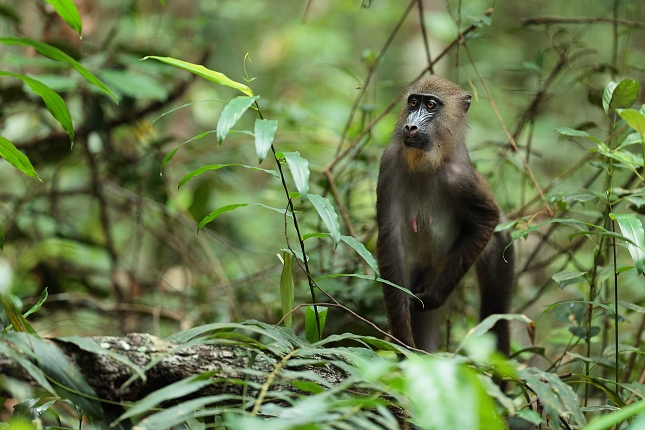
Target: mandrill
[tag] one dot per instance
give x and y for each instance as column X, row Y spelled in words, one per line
column 436, row 217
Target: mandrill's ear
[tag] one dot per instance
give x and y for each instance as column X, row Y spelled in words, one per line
column 464, row 102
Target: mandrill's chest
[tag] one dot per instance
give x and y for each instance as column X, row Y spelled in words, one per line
column 428, row 220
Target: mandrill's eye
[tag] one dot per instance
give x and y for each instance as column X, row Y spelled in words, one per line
column 413, row 103
column 431, row 104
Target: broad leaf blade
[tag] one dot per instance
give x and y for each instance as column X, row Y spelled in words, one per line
column 362, row 251
column 67, row 10
column 16, row 158
column 299, row 168
column 287, row 288
column 211, row 216
column 53, row 101
column 311, row 327
column 619, row 95
column 71, row 383
column 173, row 391
column 264, row 132
column 634, row 118
column 612, row 419
column 328, row 214
column 565, row 278
column 572, row 132
column 231, row 114
column 199, row 70
column 632, row 228
column 58, row 55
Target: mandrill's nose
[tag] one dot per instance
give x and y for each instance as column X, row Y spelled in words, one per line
column 410, row 130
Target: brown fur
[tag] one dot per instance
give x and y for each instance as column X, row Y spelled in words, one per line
column 436, row 189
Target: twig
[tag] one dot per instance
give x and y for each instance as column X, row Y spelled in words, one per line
column 545, row 20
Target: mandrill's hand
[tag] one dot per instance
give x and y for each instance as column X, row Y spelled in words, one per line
column 430, row 298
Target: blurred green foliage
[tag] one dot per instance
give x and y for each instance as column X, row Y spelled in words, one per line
column 112, row 238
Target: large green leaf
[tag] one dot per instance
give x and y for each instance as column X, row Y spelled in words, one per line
column 264, row 132
column 199, row 70
column 311, row 327
column 328, row 214
column 608, row 421
column 299, row 168
column 362, row 251
column 619, row 95
column 173, row 392
column 58, row 55
column 287, row 288
column 632, row 228
column 16, row 158
column 53, row 101
column 178, row 414
column 490, row 321
column 232, row 112
column 211, row 216
column 71, row 383
column 67, row 10
column 21, row 358
column 435, row 387
column 634, row 118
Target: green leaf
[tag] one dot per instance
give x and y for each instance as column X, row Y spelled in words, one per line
column 362, row 251
column 567, row 396
column 172, row 153
column 231, row 114
column 489, row 322
column 299, row 168
column 566, row 131
column 16, row 158
column 58, row 55
column 36, row 373
column 328, row 214
column 369, row 278
column 571, row 221
column 211, row 216
column 67, row 10
column 434, row 387
column 634, row 118
column 71, row 383
column 210, row 167
column 178, row 414
column 53, row 101
column 613, row 418
column 199, row 70
column 18, row 321
column 264, row 132
column 282, row 211
column 287, row 288
column 173, row 391
column 543, row 392
column 619, row 95
column 311, row 328
column 567, row 278
column 629, row 159
column 37, row 306
column 632, row 228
